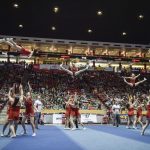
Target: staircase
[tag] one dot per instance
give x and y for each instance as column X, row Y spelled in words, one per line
column 3, row 114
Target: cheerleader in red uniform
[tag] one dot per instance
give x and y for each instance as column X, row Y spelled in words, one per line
column 14, row 109
column 130, row 108
column 148, row 118
column 78, row 115
column 73, row 70
column 29, row 112
column 7, row 121
column 132, row 81
column 72, row 113
column 15, row 46
column 138, row 116
column 67, row 114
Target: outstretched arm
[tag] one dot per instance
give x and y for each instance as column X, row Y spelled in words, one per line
column 80, row 71
column 30, row 89
column 75, row 96
column 9, row 95
column 68, row 71
column 21, row 93
column 137, row 76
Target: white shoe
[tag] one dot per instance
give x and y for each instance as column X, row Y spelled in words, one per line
column 127, row 127
column 66, row 128
column 84, row 128
column 145, row 79
column 142, row 133
column 73, row 129
column 134, row 127
column 34, row 134
column 2, row 135
column 12, row 136
column 24, row 133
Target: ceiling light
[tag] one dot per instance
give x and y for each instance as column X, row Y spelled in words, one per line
column 89, row 31
column 55, row 9
column 20, row 26
column 124, row 33
column 53, row 28
column 140, row 17
column 99, row 13
column 15, row 5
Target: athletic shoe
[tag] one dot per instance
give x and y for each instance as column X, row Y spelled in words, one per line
column 66, row 128
column 34, row 134
column 24, row 133
column 134, row 127
column 142, row 133
column 127, row 127
column 12, row 136
column 73, row 129
column 84, row 128
column 2, row 134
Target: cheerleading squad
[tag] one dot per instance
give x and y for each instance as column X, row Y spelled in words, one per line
column 32, row 110
column 134, row 112
column 72, row 115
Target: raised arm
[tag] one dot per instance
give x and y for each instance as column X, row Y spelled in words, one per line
column 21, row 93
column 75, row 96
column 30, row 89
column 68, row 71
column 80, row 71
column 137, row 76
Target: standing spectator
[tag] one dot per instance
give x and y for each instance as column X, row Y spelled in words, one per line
column 116, row 114
column 38, row 108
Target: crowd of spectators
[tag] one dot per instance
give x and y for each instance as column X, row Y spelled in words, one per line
column 97, row 89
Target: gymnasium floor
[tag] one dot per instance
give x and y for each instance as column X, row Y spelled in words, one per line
column 95, row 137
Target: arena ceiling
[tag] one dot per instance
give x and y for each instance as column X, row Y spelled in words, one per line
column 124, row 21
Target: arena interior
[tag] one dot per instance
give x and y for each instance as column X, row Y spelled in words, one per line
column 74, row 74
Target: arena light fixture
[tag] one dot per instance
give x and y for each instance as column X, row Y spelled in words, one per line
column 53, row 28
column 90, row 31
column 15, row 5
column 56, row 9
column 20, row 26
column 141, row 17
column 99, row 13
column 124, row 33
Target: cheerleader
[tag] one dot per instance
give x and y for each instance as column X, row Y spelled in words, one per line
column 130, row 107
column 138, row 116
column 132, row 79
column 147, row 118
column 73, row 70
column 7, row 121
column 15, row 46
column 67, row 114
column 15, row 101
column 72, row 113
column 78, row 115
column 29, row 112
